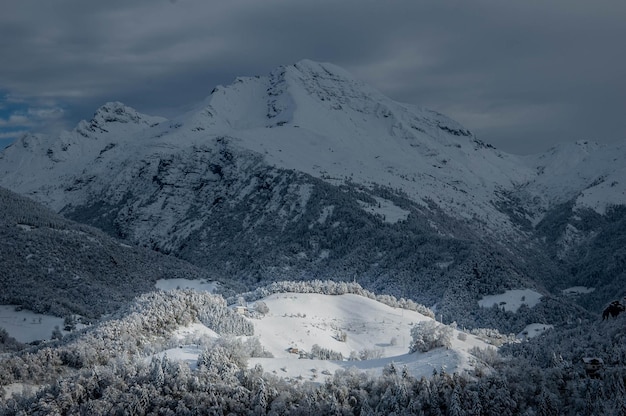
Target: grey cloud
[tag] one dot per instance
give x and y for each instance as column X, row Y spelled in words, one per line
column 522, row 75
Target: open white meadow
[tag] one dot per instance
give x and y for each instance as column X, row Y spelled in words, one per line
column 380, row 333
column 27, row 326
column 199, row 285
column 534, row 330
column 511, row 300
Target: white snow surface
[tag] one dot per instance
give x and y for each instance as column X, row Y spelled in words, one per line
column 199, row 285
column 188, row 352
column 301, row 320
column 593, row 174
column 195, row 329
column 20, row 388
column 511, row 300
column 578, row 290
column 534, row 330
column 298, row 320
column 28, row 326
column 309, row 117
column 390, row 212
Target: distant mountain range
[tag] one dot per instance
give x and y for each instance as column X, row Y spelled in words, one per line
column 309, row 173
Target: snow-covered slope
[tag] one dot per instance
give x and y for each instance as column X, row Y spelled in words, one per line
column 51, row 265
column 301, row 321
column 316, row 118
column 375, row 336
column 47, row 167
column 592, row 175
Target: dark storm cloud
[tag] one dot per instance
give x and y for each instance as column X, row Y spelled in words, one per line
column 522, row 75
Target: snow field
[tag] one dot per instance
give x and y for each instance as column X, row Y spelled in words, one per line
column 533, row 330
column 578, row 290
column 199, row 285
column 511, row 300
column 297, row 320
column 186, row 352
column 390, row 212
column 28, row 326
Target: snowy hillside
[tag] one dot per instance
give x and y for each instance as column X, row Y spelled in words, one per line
column 325, row 123
column 316, row 118
column 592, row 175
column 353, row 326
column 351, row 330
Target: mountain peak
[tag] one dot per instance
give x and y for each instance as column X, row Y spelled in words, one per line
column 316, row 69
column 116, row 111
column 115, row 115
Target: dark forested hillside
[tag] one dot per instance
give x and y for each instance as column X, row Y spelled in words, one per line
column 52, row 265
column 590, row 249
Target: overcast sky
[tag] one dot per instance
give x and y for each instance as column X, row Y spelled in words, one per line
column 522, row 75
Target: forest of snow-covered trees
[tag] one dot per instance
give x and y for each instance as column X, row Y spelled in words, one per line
column 112, row 368
column 52, row 265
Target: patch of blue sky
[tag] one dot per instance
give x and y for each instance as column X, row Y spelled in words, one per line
column 19, row 116
column 14, row 120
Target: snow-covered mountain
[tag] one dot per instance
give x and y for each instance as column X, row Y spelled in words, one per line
column 309, row 117
column 308, row 172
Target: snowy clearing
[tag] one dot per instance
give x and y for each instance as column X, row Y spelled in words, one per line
column 19, row 388
column 376, row 333
column 185, row 353
column 296, row 322
column 196, row 330
column 386, row 209
column 578, row 290
column 190, row 337
column 533, row 330
column 511, row 300
column 27, row 326
column 199, row 285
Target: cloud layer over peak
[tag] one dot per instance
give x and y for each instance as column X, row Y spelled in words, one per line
column 521, row 75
